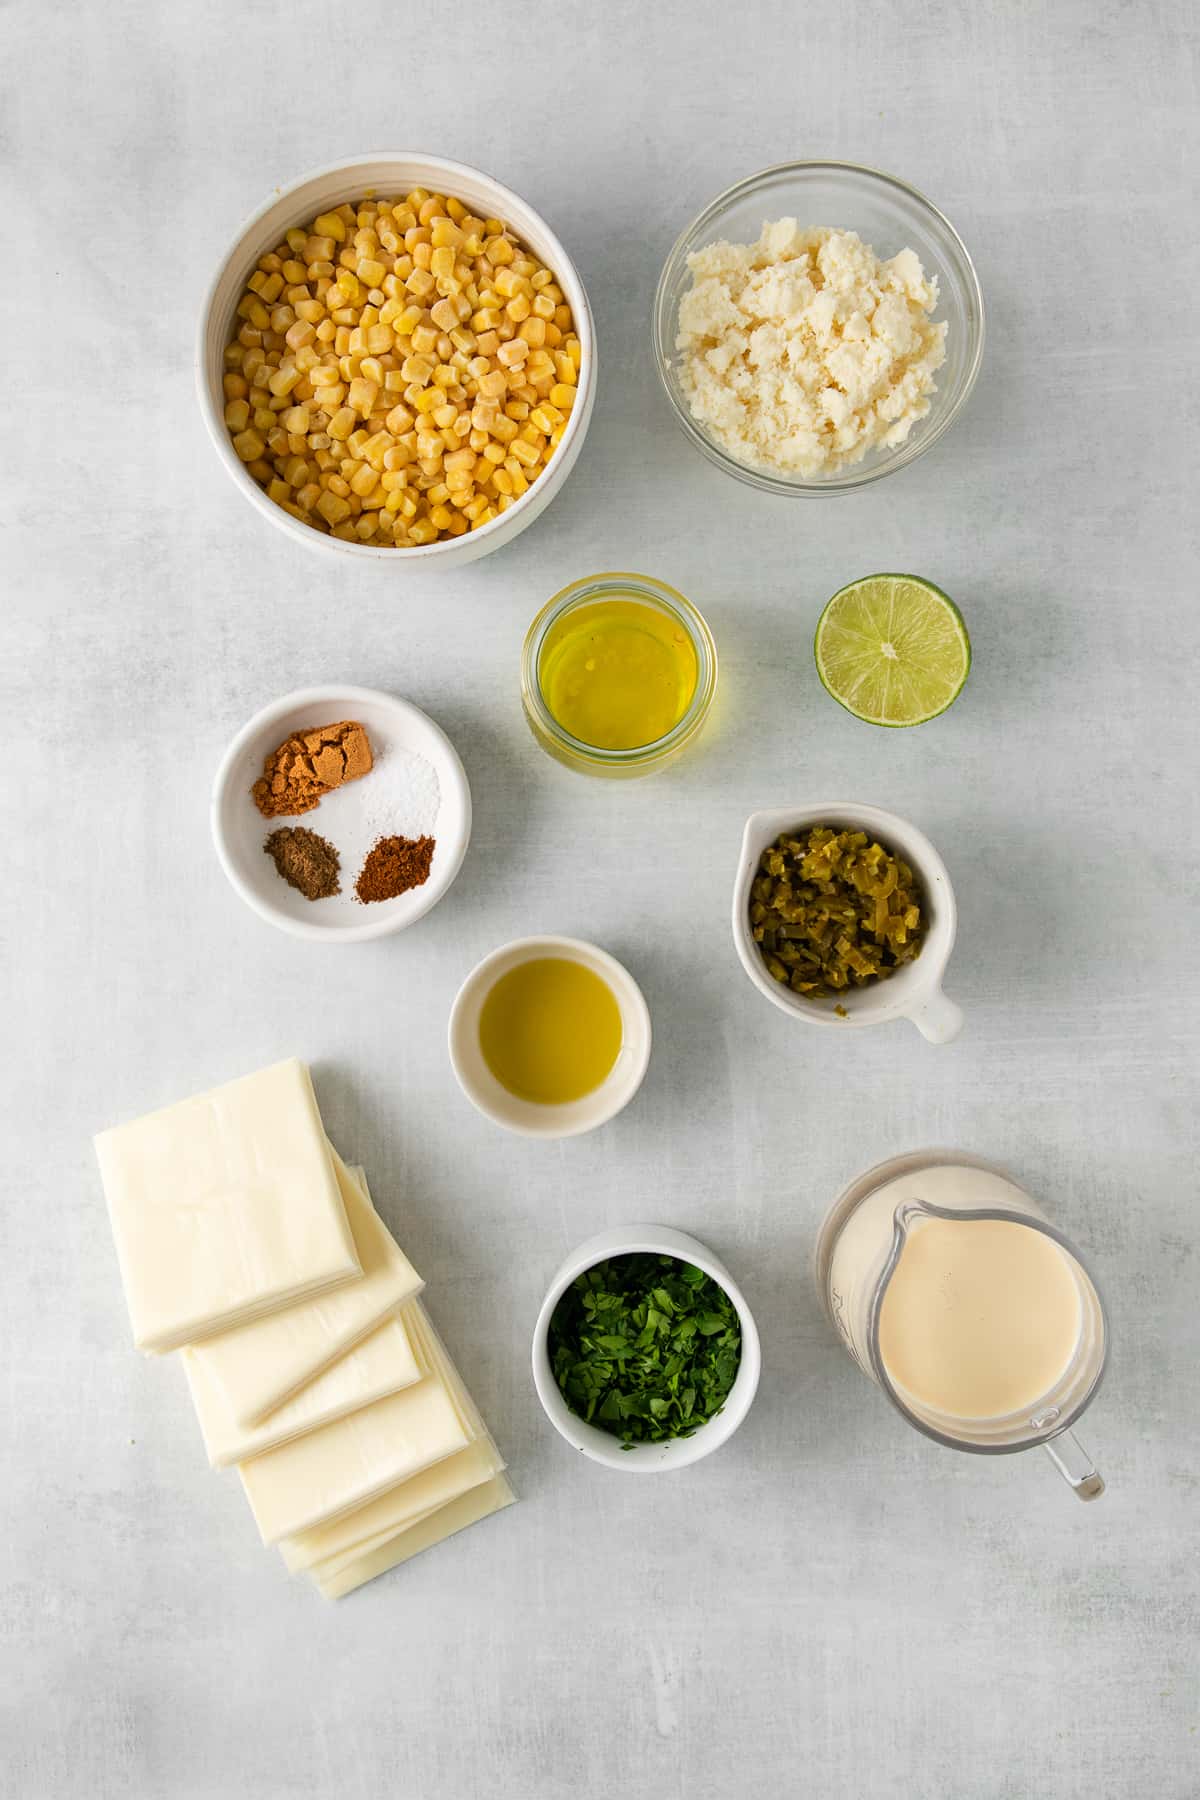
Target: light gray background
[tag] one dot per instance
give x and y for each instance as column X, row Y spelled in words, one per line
column 832, row 1606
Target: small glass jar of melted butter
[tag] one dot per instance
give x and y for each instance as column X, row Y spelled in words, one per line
column 617, row 675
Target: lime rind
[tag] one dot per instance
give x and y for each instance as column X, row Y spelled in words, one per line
column 929, row 657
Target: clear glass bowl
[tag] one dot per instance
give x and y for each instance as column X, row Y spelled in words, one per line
column 887, row 214
column 589, row 759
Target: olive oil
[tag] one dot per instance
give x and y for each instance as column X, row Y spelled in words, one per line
column 550, row 1030
column 617, row 674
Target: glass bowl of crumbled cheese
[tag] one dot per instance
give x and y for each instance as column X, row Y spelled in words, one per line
column 818, row 326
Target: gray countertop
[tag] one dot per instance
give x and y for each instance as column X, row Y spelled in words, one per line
column 832, row 1605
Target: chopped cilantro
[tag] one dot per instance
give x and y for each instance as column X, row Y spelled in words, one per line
column 645, row 1347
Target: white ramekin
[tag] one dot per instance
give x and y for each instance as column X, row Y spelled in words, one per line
column 527, row 1117
column 239, row 830
column 915, row 990
column 601, row 1446
column 392, row 171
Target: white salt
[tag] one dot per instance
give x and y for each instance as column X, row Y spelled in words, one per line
column 399, row 798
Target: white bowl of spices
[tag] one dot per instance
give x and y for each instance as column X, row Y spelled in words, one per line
column 341, row 813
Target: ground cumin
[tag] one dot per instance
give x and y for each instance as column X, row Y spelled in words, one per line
column 309, row 765
column 393, row 865
column 306, row 861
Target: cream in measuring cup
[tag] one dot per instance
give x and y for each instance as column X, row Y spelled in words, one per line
column 974, row 1316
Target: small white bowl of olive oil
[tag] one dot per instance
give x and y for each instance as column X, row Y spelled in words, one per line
column 549, row 1037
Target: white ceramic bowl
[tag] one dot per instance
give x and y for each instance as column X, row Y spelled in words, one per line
column 915, row 990
column 601, row 1446
column 239, row 829
column 526, row 1116
column 389, row 172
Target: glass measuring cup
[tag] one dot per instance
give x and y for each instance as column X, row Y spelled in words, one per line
column 859, row 1249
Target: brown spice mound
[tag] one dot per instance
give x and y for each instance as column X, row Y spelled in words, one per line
column 393, row 865
column 305, row 861
column 309, row 765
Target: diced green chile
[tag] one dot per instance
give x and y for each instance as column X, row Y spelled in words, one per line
column 831, row 910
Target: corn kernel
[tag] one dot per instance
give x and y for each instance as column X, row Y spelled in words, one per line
column 417, row 368
column 376, row 448
column 362, row 396
column 284, row 380
column 562, row 396
column 237, row 416
column 342, row 423
column 249, row 445
column 332, row 508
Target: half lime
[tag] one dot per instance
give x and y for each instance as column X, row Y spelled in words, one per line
column 892, row 649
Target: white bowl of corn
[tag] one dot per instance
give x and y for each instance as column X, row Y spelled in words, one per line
column 396, row 359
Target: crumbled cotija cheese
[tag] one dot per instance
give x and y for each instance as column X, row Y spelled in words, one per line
column 803, row 351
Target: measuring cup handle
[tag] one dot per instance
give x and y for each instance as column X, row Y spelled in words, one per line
column 937, row 1018
column 1075, row 1465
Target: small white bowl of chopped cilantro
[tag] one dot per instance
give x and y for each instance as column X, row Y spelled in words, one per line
column 645, row 1353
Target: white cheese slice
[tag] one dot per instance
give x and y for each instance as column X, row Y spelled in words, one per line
column 384, row 1363
column 260, row 1366
column 434, row 1353
column 340, row 1466
column 225, row 1208
column 405, row 1505
column 330, row 1548
column 480, row 1503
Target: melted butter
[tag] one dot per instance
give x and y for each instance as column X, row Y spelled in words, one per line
column 617, row 674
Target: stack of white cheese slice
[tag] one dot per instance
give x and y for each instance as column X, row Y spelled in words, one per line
column 356, row 1440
